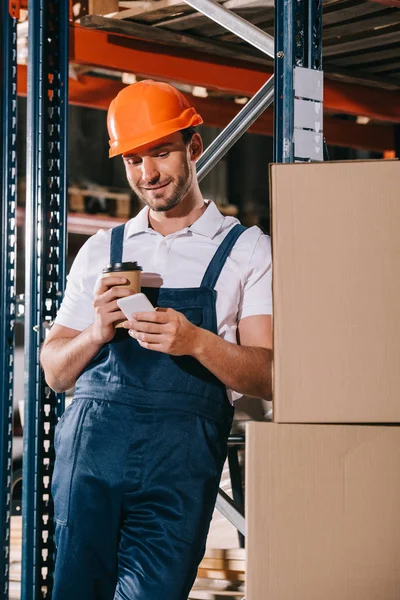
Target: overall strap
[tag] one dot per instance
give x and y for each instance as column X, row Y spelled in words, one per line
column 218, row 260
column 117, row 243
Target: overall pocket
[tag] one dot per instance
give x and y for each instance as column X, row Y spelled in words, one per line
column 67, row 440
column 205, row 460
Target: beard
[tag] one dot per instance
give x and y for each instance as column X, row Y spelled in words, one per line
column 159, row 202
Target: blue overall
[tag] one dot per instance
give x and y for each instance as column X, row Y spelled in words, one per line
column 139, row 455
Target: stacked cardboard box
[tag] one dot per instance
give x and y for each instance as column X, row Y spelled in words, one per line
column 323, row 480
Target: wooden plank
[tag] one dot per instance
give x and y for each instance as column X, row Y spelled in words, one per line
column 152, row 34
column 76, row 202
column 395, row 3
column 372, row 40
column 334, row 14
column 196, row 19
column 362, row 77
column 102, row 7
column 100, row 192
column 391, row 67
column 223, row 564
column 149, row 8
column 221, row 574
column 167, row 13
column 389, row 18
column 158, row 7
column 365, row 57
column 214, row 594
column 363, row 27
column 229, row 553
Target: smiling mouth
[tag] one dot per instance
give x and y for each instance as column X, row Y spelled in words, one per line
column 158, row 187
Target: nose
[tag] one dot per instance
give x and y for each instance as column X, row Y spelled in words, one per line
column 150, row 173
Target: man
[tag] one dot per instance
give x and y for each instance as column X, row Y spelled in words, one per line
column 140, row 450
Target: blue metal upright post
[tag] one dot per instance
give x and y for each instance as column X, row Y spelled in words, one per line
column 298, row 43
column 314, row 35
column 8, row 169
column 45, row 276
column 285, row 27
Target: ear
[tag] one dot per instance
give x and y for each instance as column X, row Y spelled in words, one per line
column 196, row 147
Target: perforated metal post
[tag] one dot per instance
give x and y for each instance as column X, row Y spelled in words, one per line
column 298, row 43
column 314, row 39
column 8, row 168
column 45, row 276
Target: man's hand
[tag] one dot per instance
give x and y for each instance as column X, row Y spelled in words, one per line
column 106, row 309
column 246, row 368
column 165, row 330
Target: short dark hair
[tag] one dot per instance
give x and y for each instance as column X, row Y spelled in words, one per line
column 187, row 134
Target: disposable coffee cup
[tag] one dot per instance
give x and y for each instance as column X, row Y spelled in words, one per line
column 131, row 271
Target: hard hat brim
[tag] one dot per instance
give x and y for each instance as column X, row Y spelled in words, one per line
column 189, row 118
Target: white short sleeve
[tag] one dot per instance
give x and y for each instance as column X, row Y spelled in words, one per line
column 256, row 297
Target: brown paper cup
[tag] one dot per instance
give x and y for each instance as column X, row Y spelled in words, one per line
column 134, row 284
column 133, row 278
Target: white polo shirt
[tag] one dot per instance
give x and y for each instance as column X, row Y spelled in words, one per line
column 178, row 260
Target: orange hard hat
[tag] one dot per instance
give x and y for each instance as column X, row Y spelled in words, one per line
column 145, row 112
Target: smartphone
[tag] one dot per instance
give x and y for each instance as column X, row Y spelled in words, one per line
column 135, row 303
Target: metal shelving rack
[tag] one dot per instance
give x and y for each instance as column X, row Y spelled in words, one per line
column 298, row 44
column 45, row 276
column 8, row 171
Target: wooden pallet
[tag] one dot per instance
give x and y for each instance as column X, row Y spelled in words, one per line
column 122, row 199
column 221, row 575
column 15, row 558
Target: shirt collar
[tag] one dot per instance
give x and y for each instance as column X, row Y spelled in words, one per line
column 208, row 224
column 210, row 221
column 138, row 224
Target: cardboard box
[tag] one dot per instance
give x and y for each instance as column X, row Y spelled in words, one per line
column 336, row 288
column 322, row 512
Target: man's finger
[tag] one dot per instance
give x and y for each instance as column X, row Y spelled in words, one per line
column 149, row 338
column 111, row 294
column 108, row 281
column 145, row 326
column 157, row 316
column 117, row 292
column 155, row 347
column 113, row 307
column 114, row 316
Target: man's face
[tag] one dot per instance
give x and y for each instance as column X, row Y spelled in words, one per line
column 160, row 173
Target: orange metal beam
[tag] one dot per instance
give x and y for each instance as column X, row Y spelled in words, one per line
column 95, row 92
column 379, row 138
column 100, row 49
column 97, row 48
column 362, row 100
column 348, row 134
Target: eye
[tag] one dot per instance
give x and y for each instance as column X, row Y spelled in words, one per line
column 132, row 161
column 162, row 154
